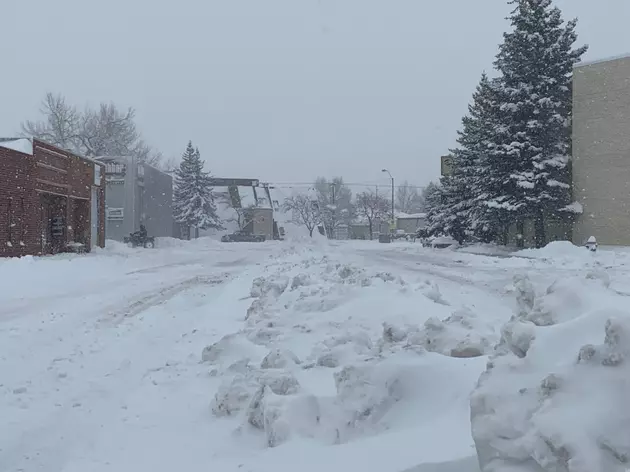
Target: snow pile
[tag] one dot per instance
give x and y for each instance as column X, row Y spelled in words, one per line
column 460, row 335
column 554, row 397
column 559, row 252
column 368, row 399
column 325, row 355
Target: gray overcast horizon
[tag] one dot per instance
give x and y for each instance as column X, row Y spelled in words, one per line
column 280, row 90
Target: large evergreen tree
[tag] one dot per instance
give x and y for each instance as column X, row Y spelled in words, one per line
column 441, row 220
column 470, row 184
column 193, row 200
column 530, row 155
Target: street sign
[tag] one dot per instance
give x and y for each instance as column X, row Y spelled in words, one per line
column 446, row 165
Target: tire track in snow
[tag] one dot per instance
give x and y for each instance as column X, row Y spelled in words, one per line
column 153, row 298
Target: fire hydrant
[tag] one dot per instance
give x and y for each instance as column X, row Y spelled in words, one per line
column 591, row 244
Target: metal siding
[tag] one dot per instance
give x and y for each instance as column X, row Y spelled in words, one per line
column 158, row 202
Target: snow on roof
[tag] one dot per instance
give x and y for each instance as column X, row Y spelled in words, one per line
column 412, row 216
column 23, row 145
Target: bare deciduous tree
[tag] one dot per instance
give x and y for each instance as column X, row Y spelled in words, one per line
column 304, row 211
column 408, row 198
column 106, row 131
column 335, row 203
column 372, row 207
column 61, row 123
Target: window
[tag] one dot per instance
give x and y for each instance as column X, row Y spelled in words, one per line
column 22, row 226
column 10, row 223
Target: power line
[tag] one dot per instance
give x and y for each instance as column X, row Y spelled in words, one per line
column 291, row 185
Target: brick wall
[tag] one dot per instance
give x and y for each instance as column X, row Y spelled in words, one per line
column 79, row 178
column 19, row 205
column 23, row 177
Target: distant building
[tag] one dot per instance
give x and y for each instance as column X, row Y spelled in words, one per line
column 247, row 205
column 51, row 200
column 137, row 193
column 360, row 228
column 601, row 150
column 410, row 223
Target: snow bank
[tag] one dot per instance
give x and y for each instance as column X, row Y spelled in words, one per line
column 332, row 352
column 553, row 398
column 554, row 250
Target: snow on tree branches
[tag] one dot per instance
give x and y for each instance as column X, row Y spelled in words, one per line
column 193, row 200
column 513, row 154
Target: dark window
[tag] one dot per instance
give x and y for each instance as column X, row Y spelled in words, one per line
column 9, row 222
column 22, row 225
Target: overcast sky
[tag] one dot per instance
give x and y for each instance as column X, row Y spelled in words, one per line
column 281, row 90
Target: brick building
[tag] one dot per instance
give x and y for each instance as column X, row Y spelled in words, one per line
column 51, row 200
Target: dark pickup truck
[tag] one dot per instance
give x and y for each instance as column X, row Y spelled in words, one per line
column 243, row 237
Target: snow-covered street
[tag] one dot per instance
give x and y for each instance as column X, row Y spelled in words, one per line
column 320, row 355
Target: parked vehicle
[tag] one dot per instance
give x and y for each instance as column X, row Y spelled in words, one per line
column 443, row 242
column 243, row 237
column 140, row 240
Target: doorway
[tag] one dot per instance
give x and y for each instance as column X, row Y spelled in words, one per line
column 53, row 210
column 94, row 217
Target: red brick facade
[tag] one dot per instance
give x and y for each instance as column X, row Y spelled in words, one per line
column 51, row 187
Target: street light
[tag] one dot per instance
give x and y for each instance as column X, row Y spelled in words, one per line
column 390, row 176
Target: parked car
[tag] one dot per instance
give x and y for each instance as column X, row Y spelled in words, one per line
column 243, row 237
column 443, row 242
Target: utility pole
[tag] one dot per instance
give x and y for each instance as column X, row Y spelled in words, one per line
column 393, row 212
column 333, row 211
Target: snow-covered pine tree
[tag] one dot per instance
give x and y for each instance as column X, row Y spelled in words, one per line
column 531, row 155
column 193, row 200
column 441, row 221
column 470, row 182
column 435, row 209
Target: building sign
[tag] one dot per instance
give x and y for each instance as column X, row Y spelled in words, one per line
column 115, row 213
column 115, row 169
column 446, row 165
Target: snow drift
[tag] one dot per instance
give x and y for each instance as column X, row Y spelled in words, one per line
column 554, row 396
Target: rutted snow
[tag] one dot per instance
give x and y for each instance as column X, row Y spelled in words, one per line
column 340, row 356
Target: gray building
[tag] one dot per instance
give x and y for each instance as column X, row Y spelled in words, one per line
column 601, row 150
column 410, row 223
column 136, row 193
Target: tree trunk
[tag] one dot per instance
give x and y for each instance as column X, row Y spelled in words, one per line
column 540, row 235
column 196, row 232
column 520, row 231
column 370, row 228
column 310, row 231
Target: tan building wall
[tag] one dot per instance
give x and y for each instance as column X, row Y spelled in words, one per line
column 601, row 151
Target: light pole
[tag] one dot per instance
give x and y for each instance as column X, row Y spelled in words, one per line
column 393, row 217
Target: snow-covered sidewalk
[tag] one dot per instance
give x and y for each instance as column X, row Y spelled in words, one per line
column 276, row 356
